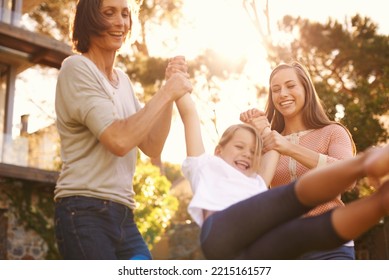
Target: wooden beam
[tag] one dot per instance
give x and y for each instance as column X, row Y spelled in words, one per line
column 28, row 174
column 22, row 40
column 39, row 56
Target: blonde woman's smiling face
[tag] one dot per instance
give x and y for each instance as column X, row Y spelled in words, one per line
column 288, row 93
column 239, row 151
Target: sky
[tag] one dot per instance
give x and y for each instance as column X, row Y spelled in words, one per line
column 224, row 26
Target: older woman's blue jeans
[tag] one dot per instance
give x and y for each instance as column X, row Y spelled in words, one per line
column 96, row 229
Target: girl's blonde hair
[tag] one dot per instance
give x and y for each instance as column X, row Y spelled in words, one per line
column 229, row 133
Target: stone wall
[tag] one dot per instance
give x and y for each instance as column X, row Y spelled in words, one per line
column 16, row 241
column 3, row 234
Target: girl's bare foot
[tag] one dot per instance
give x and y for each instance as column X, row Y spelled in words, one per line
column 376, row 164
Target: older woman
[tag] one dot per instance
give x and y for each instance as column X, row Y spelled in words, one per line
column 101, row 124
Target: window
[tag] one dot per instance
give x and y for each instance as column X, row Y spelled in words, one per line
column 10, row 11
column 4, row 78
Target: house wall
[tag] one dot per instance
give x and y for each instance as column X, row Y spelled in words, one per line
column 44, row 149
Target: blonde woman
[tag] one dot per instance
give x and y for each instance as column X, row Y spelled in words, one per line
column 305, row 137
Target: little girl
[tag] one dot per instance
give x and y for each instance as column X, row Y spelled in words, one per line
column 241, row 219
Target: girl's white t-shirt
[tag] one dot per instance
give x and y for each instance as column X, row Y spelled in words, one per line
column 217, row 185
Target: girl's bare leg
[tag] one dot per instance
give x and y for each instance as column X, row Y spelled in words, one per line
column 325, row 183
column 357, row 217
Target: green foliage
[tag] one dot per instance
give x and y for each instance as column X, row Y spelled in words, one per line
column 350, row 65
column 155, row 206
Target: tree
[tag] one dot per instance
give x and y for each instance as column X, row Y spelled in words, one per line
column 349, row 64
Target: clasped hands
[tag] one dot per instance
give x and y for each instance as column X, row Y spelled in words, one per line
column 176, row 64
column 257, row 119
